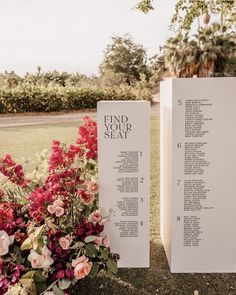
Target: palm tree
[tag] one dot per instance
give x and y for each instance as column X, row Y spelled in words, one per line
column 216, row 51
column 181, row 56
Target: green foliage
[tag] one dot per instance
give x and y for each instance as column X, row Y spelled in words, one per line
column 211, row 52
column 125, row 59
column 208, row 53
column 64, row 284
column 56, row 98
column 54, row 91
column 91, row 250
column 186, row 11
column 145, row 6
column 111, row 266
column 34, row 280
column 34, row 241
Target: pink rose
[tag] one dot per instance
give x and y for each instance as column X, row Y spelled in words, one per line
column 59, row 211
column 92, row 186
column 82, row 267
column 86, row 197
column 57, row 203
column 98, row 242
column 56, row 208
column 5, row 242
column 65, row 242
column 96, row 216
column 41, row 261
column 106, row 242
column 51, row 209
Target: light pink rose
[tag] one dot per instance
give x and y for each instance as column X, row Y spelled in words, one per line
column 51, row 209
column 59, row 211
column 96, row 216
column 5, row 242
column 82, row 267
column 41, row 261
column 57, row 203
column 56, row 208
column 106, row 242
column 98, row 242
column 65, row 242
column 92, row 186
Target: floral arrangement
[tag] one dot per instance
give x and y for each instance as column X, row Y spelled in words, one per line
column 51, row 232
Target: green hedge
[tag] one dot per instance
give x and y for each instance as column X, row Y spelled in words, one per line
column 48, row 99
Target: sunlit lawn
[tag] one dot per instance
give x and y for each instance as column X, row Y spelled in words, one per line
column 24, row 142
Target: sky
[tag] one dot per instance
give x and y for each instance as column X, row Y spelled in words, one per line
column 71, row 35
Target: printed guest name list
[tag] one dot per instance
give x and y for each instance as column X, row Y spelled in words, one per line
column 198, row 174
column 124, row 158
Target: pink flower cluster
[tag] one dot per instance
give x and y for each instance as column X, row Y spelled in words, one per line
column 10, row 222
column 57, row 229
column 12, row 231
column 88, row 138
column 86, row 229
column 62, row 158
column 9, row 275
column 64, row 179
column 13, row 171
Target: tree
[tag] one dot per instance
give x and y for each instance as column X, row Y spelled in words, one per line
column 186, row 11
column 217, row 51
column 210, row 52
column 125, row 58
column 181, row 56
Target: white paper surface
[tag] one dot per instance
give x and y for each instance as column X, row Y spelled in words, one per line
column 198, row 190
column 124, row 173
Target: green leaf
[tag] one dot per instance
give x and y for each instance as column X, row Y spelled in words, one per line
column 37, row 237
column 91, row 250
column 29, row 285
column 95, row 269
column 19, row 259
column 39, row 231
column 40, row 243
column 104, row 254
column 90, row 239
column 57, row 290
column 64, row 284
column 27, row 244
column 40, row 282
column 112, row 266
column 34, row 239
column 39, row 277
column 77, row 245
column 29, row 274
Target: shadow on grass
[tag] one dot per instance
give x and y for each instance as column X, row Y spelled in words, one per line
column 158, row 280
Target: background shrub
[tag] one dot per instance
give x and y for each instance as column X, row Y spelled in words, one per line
column 41, row 98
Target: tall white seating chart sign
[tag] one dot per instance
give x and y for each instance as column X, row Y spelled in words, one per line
column 198, row 174
column 124, row 173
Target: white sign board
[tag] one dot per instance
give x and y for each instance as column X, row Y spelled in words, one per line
column 198, row 174
column 124, row 173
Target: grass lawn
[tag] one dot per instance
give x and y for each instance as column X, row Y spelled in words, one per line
column 24, row 142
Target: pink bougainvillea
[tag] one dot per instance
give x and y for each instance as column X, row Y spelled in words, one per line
column 56, row 227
